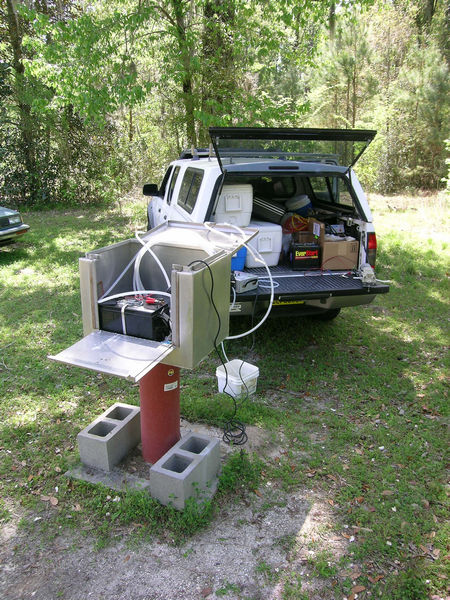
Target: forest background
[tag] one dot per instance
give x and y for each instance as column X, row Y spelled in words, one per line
column 97, row 96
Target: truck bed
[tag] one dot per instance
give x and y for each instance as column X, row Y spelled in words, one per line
column 304, row 285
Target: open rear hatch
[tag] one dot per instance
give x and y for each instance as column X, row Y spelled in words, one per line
column 335, row 146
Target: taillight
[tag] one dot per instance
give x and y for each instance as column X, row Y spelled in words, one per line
column 371, row 249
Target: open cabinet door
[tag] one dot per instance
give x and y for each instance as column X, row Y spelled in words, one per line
column 115, row 354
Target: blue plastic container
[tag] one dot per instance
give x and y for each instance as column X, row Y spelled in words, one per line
column 238, row 259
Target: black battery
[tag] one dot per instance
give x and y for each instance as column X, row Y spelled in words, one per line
column 135, row 318
column 305, row 255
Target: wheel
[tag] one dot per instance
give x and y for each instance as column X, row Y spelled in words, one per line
column 327, row 315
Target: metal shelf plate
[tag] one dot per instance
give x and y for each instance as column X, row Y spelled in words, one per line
column 115, row 354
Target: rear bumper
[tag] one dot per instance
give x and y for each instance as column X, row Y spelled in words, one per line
column 7, row 235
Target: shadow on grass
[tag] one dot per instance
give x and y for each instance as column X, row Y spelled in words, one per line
column 370, row 379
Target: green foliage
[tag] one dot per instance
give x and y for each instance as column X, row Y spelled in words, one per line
column 408, row 585
column 95, row 99
column 240, row 473
column 292, row 588
column 322, row 564
column 267, row 571
column 227, row 588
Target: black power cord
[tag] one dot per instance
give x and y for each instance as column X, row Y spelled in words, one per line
column 233, row 430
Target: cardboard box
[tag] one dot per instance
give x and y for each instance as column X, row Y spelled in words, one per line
column 317, row 228
column 342, row 256
column 315, row 233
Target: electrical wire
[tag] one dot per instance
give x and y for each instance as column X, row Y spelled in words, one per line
column 258, row 258
column 134, row 293
column 234, row 298
column 233, row 430
column 265, row 284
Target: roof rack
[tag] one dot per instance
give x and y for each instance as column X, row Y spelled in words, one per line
column 195, row 153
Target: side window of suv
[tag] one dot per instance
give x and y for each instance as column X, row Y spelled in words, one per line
column 162, row 187
column 190, row 187
column 172, row 184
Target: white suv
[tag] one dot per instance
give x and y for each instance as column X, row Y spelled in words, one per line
column 298, row 187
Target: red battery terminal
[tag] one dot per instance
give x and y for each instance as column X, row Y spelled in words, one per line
column 151, row 300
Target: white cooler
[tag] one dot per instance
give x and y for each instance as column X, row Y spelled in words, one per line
column 235, row 205
column 267, row 242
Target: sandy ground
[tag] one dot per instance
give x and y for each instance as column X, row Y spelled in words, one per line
column 230, row 559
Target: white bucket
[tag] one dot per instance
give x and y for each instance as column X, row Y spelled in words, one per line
column 242, row 378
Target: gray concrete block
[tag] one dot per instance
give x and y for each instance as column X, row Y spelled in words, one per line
column 109, row 438
column 188, row 469
column 205, row 447
column 175, row 477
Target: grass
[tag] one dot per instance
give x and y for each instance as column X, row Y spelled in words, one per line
column 358, row 404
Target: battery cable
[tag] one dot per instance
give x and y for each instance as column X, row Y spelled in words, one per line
column 233, row 430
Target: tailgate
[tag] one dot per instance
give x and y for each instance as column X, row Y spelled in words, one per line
column 309, row 285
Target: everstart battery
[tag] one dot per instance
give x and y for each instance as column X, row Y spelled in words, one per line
column 142, row 318
column 305, row 255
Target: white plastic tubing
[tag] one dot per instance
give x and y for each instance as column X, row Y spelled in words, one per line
column 138, row 286
column 258, row 258
column 122, row 294
column 137, row 283
column 146, row 247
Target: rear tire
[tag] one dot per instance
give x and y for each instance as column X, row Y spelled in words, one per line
column 327, row 315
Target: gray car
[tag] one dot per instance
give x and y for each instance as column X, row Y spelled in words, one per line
column 11, row 225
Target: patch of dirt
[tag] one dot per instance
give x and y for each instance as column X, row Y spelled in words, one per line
column 253, row 546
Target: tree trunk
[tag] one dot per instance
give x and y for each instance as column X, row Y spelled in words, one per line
column 332, row 22
column 187, row 80
column 218, row 59
column 24, row 108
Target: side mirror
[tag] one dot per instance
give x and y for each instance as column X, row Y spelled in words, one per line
column 150, row 189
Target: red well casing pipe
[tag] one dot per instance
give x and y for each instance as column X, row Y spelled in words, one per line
column 160, row 411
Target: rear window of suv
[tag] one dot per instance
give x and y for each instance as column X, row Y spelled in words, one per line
column 190, row 187
column 331, row 189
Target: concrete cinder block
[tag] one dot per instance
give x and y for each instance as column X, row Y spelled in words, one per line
column 205, row 447
column 188, row 469
column 109, row 438
column 176, row 477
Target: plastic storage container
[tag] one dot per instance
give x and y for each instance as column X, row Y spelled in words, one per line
column 242, row 378
column 235, row 205
column 267, row 242
column 238, row 259
column 300, row 205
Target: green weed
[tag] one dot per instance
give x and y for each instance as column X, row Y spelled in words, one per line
column 228, row 588
column 292, row 588
column 267, row 571
column 322, row 564
column 241, row 472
